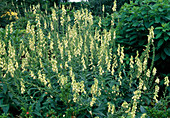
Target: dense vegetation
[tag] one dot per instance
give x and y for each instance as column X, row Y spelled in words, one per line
column 72, row 62
column 136, row 18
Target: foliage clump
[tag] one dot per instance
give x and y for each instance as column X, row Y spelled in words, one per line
column 134, row 20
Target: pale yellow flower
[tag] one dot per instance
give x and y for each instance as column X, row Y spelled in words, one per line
column 166, row 81
column 125, row 104
column 157, row 80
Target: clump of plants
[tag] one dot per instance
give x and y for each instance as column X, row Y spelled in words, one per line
column 96, row 7
column 63, row 67
column 134, row 20
column 159, row 110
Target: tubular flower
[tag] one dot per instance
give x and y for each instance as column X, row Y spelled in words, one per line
column 166, row 81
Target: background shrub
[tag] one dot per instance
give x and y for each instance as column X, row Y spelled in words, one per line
column 135, row 19
column 96, row 6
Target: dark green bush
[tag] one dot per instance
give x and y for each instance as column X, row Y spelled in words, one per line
column 134, row 21
column 97, row 5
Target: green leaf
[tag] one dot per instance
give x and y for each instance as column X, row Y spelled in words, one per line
column 5, row 88
column 131, row 29
column 161, row 10
column 132, row 42
column 141, row 42
column 141, row 28
column 31, row 90
column 159, row 28
column 1, row 101
column 10, row 95
column 38, row 106
column 158, row 35
column 133, row 37
column 16, row 101
column 157, row 57
column 157, row 19
column 169, row 89
column 98, row 111
column 135, row 24
column 130, row 18
column 146, row 99
column 166, row 38
column 5, row 108
column 37, row 113
column 163, row 55
column 2, row 95
column 147, row 24
column 152, row 23
column 144, row 12
column 167, row 17
column 168, row 33
column 142, row 109
column 36, row 93
column 160, row 42
column 167, row 51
